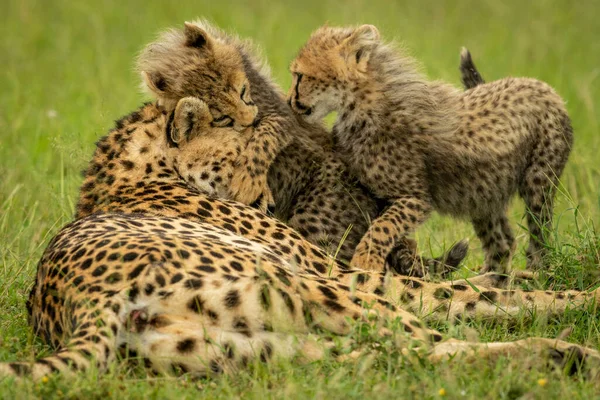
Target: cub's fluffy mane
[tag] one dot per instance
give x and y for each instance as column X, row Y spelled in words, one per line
column 153, row 55
column 404, row 83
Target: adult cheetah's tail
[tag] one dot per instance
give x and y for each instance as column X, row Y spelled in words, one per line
column 470, row 77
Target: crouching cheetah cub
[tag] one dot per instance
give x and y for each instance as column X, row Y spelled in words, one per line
column 427, row 146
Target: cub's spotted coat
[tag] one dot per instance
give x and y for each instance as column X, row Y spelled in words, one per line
column 428, row 146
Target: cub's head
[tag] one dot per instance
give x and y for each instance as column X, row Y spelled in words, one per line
column 330, row 65
column 195, row 63
column 204, row 155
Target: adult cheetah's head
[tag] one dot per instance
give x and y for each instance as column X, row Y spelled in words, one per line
column 204, row 153
column 192, row 62
column 331, row 62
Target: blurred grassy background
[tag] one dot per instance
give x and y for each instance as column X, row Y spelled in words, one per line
column 66, row 74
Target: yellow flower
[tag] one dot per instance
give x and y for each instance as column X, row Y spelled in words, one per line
column 442, row 392
column 542, row 382
column 44, row 379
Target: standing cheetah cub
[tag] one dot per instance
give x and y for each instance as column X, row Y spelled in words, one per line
column 429, row 146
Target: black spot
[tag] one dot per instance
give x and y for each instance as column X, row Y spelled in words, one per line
column 136, row 271
column 241, row 326
column 232, row 299
column 215, row 367
column 186, row 346
column 130, row 256
column 196, row 304
column 461, row 288
column 334, row 305
column 436, row 337
column 149, row 289
column 183, row 254
column 133, row 293
column 206, row 268
column 282, row 276
column 265, row 297
column 176, row 278
column 224, row 210
column 287, row 300
column 327, row 292
column 267, row 352
column 193, row 283
column 442, row 293
column 412, row 283
column 490, row 297
column 228, row 350
column 128, row 165
column 237, row 266
column 20, row 369
column 99, row 271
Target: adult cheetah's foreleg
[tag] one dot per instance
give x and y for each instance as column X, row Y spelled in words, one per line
column 402, row 216
column 557, row 353
column 91, row 345
column 458, row 300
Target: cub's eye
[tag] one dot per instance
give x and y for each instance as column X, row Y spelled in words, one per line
column 224, row 121
column 243, row 92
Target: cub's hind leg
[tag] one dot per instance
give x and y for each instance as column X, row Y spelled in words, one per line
column 539, row 183
column 497, row 240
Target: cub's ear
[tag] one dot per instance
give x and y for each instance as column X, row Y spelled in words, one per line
column 196, row 37
column 155, row 82
column 358, row 47
column 191, row 117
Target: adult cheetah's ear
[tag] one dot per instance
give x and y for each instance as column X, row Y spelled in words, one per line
column 155, row 81
column 191, row 118
column 358, row 47
column 196, row 37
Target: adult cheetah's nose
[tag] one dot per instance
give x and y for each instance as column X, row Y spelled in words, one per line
column 137, row 320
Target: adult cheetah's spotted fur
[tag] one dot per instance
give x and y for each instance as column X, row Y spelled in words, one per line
column 198, row 284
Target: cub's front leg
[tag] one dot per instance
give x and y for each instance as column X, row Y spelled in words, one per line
column 249, row 181
column 401, row 218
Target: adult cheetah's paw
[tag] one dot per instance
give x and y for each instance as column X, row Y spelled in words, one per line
column 253, row 191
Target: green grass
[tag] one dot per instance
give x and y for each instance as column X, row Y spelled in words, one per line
column 66, row 74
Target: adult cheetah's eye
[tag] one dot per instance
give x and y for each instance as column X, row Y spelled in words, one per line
column 224, row 121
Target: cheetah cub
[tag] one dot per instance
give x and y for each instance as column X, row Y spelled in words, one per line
column 207, row 161
column 193, row 63
column 428, row 146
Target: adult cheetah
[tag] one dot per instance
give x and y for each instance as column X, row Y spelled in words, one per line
column 192, row 283
column 312, row 191
column 428, row 146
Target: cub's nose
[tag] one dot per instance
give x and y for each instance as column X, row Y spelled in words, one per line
column 299, row 107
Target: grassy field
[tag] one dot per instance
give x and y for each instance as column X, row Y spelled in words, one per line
column 66, row 74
